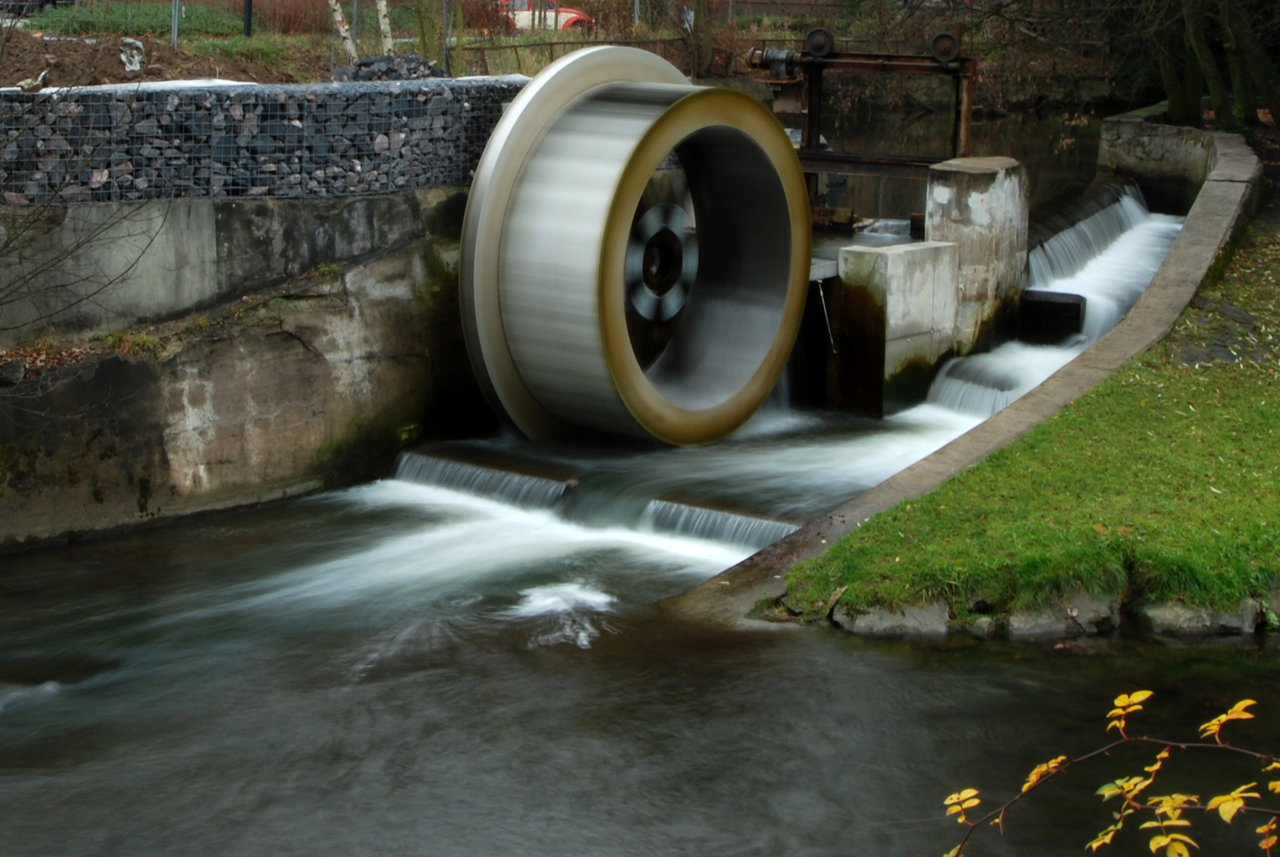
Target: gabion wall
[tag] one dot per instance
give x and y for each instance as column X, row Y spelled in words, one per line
column 120, row 143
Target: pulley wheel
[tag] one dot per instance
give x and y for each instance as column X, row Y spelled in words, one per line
column 635, row 253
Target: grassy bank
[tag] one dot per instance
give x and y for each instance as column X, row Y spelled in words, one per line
column 1163, row 481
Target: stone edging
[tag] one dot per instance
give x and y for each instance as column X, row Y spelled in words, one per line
column 1221, row 208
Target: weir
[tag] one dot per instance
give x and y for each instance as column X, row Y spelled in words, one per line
column 634, row 263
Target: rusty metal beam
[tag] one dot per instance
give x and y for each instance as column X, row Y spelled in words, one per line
column 866, row 165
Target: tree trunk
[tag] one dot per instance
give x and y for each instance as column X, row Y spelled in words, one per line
column 1261, row 69
column 344, row 32
column 1243, row 100
column 702, row 53
column 384, row 27
column 1193, row 14
column 1181, row 78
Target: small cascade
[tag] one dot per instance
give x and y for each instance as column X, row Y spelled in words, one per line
column 1067, row 252
column 739, row 526
column 984, row 384
column 519, row 487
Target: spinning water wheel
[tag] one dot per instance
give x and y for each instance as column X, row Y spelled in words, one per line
column 635, row 253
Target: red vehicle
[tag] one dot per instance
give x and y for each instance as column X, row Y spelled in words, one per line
column 545, row 15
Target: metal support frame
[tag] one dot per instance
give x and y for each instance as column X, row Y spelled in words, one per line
column 796, row 78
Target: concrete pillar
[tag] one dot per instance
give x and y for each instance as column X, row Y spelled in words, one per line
column 982, row 205
column 893, row 317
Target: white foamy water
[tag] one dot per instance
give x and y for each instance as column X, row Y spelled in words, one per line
column 1066, row 253
column 1112, row 282
column 568, row 613
column 1109, row 259
column 464, row 540
column 561, row 598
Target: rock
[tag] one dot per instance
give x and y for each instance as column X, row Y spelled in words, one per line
column 397, row 67
column 11, row 374
column 1051, row 623
column 1192, row 356
column 1175, row 619
column 910, row 621
column 1237, row 315
column 1094, row 614
column 1076, row 615
column 984, row 628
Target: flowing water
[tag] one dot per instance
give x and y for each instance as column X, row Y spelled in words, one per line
column 462, row 661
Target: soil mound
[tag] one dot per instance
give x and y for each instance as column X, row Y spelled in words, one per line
column 88, row 61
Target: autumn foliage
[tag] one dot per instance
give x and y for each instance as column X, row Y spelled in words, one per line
column 1168, row 818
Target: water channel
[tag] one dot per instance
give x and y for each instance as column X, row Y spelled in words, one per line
column 409, row 668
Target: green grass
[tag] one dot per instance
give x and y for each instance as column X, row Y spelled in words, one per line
column 268, row 49
column 1163, row 481
column 135, row 19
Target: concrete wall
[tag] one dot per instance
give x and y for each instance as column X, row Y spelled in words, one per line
column 96, row 268
column 317, row 383
column 1168, row 162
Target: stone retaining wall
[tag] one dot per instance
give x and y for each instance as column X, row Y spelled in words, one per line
column 212, row 139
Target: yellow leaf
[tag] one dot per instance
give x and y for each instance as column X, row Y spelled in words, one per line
column 1149, row 824
column 1178, row 837
column 956, row 797
column 1141, row 696
column 1274, row 766
column 1268, row 843
column 1268, row 827
column 1116, row 712
column 1274, row 786
column 1242, row 705
column 970, row 804
column 1104, row 838
column 953, row 810
column 953, row 852
column 1158, row 842
column 1177, row 849
column 1227, row 807
column 1132, row 708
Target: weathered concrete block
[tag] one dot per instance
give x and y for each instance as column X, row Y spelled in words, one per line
column 910, row 621
column 981, row 205
column 1178, row 620
column 894, row 313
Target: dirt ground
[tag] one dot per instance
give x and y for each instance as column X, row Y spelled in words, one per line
column 85, row 62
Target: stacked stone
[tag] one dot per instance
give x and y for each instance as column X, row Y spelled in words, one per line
column 117, row 144
column 390, row 67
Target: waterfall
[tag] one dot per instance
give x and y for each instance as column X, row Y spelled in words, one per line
column 526, row 490
column 1067, row 252
column 1108, row 258
column 748, row 528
